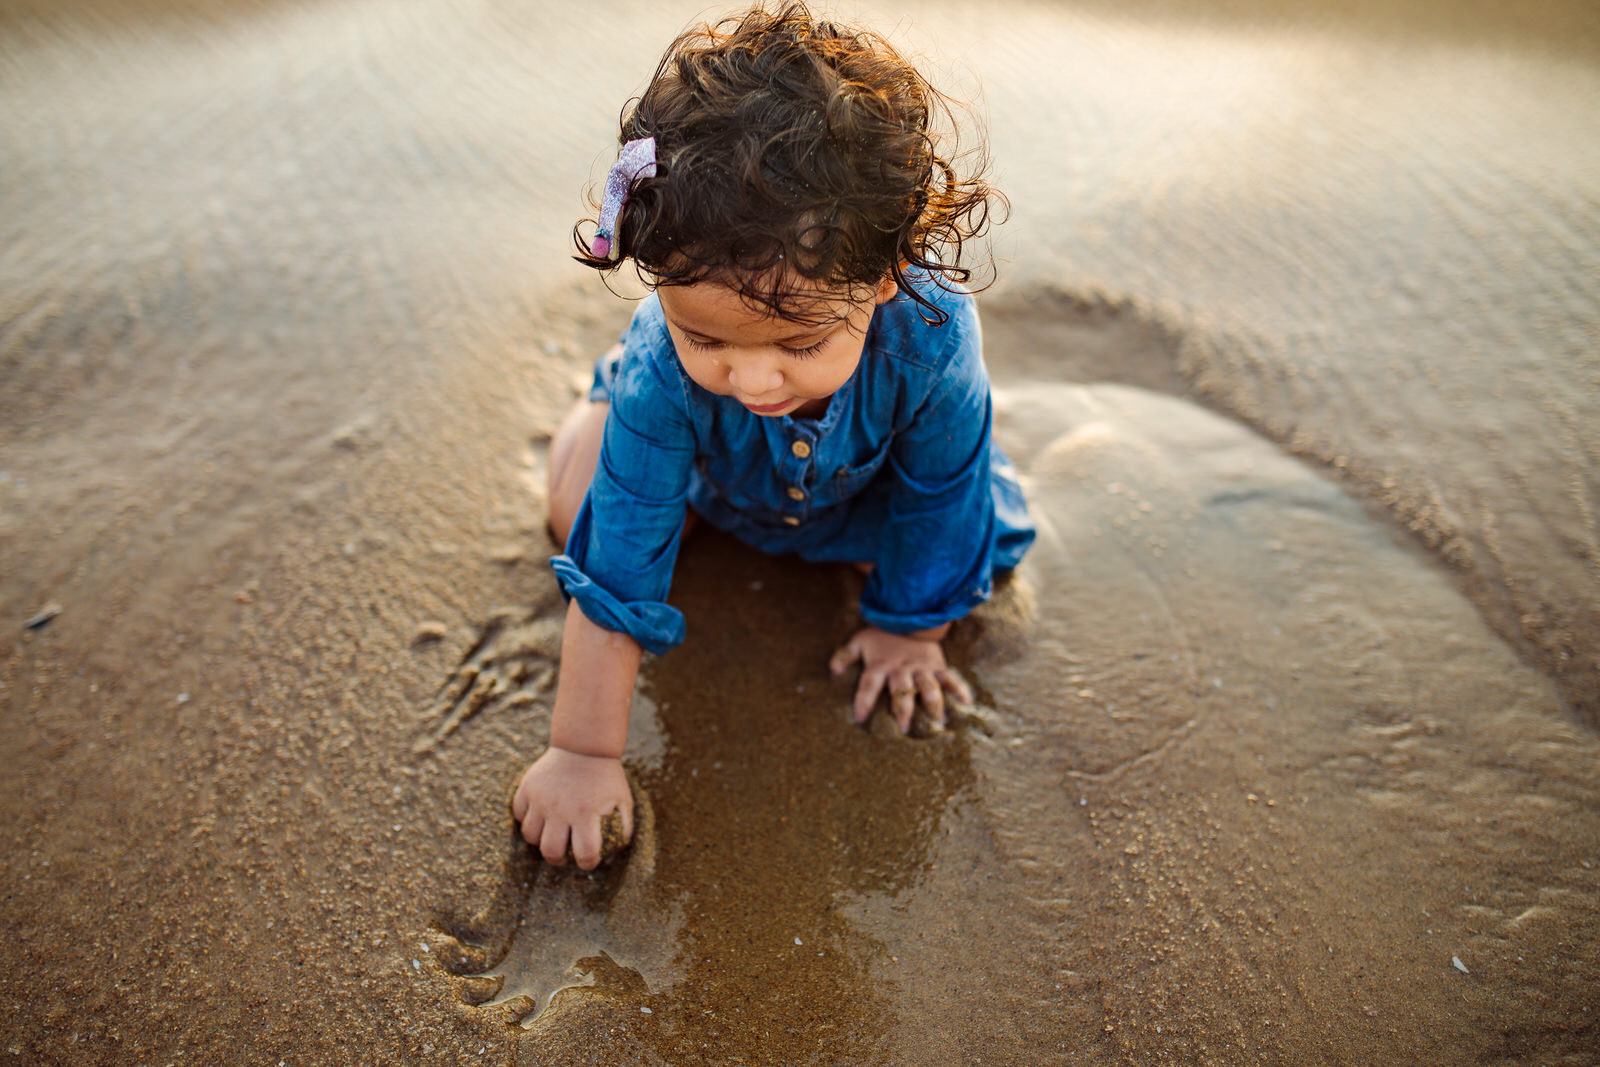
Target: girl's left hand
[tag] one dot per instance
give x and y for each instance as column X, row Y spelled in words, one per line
column 911, row 666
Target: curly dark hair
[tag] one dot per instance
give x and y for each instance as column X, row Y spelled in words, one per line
column 790, row 148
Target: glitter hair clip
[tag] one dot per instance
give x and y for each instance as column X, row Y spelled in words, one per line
column 637, row 160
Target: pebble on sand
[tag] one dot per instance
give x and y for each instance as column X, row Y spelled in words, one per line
column 429, row 631
column 1462, row 967
column 43, row 615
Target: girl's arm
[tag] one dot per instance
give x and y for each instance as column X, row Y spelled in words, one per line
column 579, row 780
column 618, row 585
column 935, row 564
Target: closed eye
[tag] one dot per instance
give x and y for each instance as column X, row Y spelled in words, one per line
column 807, row 352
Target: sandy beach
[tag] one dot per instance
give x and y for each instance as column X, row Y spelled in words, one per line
column 1287, row 746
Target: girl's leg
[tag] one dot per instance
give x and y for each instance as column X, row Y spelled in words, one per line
column 574, row 453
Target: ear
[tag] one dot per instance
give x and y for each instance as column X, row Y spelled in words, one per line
column 886, row 290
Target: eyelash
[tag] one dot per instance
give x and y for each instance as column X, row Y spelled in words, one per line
column 798, row 353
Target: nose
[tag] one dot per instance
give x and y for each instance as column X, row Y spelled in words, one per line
column 754, row 374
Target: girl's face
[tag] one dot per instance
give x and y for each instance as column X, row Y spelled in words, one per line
column 771, row 365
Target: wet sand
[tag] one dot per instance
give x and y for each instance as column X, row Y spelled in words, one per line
column 1286, row 748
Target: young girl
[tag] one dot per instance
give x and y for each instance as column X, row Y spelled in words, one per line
column 807, row 376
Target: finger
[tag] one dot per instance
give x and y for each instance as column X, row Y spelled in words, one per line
column 867, row 691
column 953, row 682
column 844, row 656
column 532, row 827
column 519, row 806
column 586, row 843
column 627, row 818
column 553, row 843
column 932, row 694
column 902, row 698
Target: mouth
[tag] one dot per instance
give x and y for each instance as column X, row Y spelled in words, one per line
column 768, row 409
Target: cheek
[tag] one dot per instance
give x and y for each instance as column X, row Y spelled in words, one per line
column 702, row 367
column 821, row 377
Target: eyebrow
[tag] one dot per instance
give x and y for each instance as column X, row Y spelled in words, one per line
column 816, row 333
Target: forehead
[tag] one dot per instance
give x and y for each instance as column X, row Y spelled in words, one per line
column 714, row 309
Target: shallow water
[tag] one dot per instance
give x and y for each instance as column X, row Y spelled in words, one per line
column 1263, row 747
column 1248, row 774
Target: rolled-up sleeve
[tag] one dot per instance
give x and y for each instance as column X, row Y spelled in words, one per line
column 624, row 542
column 936, row 564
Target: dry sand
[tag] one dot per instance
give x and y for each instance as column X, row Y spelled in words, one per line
column 1286, row 749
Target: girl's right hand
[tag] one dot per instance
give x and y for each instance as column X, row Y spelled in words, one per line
column 562, row 798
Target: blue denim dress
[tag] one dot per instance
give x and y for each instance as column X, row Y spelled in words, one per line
column 901, row 471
